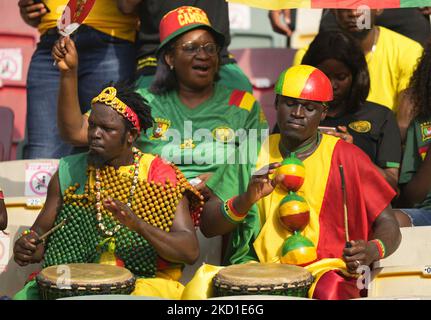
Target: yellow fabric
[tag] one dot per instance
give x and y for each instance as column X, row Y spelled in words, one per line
column 144, row 167
column 319, row 268
column 391, row 66
column 200, row 287
column 247, row 101
column 272, row 235
column 158, row 287
column 104, row 16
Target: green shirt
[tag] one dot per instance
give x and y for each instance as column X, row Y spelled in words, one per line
column 202, row 139
column 417, row 144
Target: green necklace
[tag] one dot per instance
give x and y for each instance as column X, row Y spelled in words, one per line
column 307, row 147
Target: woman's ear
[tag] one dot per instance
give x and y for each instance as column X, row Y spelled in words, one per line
column 169, row 59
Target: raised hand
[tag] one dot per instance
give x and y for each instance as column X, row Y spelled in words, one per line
column 261, row 185
column 31, row 12
column 65, row 54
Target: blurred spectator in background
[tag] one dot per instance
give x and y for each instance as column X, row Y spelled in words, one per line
column 151, row 13
column 283, row 22
column 413, row 23
column 106, row 53
column 416, row 166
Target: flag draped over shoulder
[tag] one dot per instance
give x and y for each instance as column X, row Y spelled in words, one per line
column 341, row 4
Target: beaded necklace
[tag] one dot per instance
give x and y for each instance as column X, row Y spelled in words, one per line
column 136, row 159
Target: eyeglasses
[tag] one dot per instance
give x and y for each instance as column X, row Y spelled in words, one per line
column 192, row 48
column 309, row 106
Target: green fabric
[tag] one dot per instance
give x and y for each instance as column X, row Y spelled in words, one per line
column 416, row 139
column 231, row 76
column 29, row 292
column 229, row 181
column 199, row 124
column 72, row 169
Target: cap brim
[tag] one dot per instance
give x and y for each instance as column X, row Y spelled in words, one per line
column 219, row 37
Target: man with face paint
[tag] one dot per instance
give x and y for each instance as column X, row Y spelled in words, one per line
column 117, row 200
column 247, row 204
column 391, row 59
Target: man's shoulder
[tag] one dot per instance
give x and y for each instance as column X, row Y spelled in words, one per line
column 74, row 159
column 393, row 38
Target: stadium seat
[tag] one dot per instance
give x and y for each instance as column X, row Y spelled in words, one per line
column 263, row 66
column 6, row 132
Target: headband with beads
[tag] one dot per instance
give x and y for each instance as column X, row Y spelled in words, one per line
column 108, row 97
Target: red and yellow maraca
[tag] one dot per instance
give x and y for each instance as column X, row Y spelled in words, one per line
column 294, row 212
column 294, row 173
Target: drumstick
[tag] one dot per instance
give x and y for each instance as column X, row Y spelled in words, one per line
column 55, row 228
column 346, row 222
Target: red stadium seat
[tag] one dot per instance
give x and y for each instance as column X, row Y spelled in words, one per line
column 6, row 132
column 263, row 66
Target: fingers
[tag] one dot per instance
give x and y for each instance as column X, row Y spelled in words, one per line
column 355, row 256
column 266, row 170
column 69, row 44
column 277, row 180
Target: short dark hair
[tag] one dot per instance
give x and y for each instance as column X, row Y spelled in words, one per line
column 420, row 85
column 342, row 47
column 165, row 79
column 126, row 92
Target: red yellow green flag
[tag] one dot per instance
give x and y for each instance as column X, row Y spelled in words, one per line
column 341, row 4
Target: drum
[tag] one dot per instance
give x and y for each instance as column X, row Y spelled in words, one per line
column 262, row 279
column 79, row 279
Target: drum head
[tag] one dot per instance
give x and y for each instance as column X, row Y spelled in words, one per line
column 85, row 274
column 263, row 274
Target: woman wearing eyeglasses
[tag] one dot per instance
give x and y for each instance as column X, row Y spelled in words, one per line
column 198, row 123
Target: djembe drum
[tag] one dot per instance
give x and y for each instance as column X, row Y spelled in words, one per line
column 262, row 279
column 81, row 279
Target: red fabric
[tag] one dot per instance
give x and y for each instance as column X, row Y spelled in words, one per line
column 1, row 195
column 368, row 194
column 334, row 286
column 160, row 171
column 236, row 97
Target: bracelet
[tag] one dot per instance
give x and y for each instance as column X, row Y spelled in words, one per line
column 230, row 213
column 380, row 247
column 26, row 232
